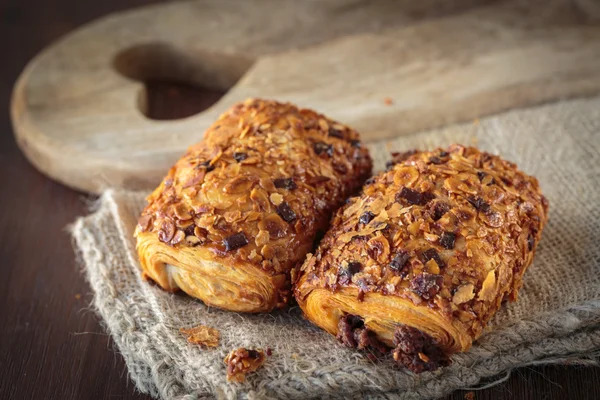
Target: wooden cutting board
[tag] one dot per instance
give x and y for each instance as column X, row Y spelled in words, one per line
column 76, row 108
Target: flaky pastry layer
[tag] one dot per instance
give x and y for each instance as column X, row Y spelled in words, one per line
column 241, row 208
column 435, row 243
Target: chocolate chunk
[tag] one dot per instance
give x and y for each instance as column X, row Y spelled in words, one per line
column 346, row 327
column 285, row 212
column 438, row 209
column 479, row 203
column 335, row 133
column 399, row 262
column 447, row 240
column 240, row 156
column 530, row 241
column 235, row 241
column 353, row 333
column 355, row 144
column 366, row 217
column 346, row 273
column 207, row 165
column 416, row 350
column 285, row 183
column 432, row 253
column 443, row 154
column 367, row 340
column 435, row 160
column 354, row 267
column 253, row 354
column 321, row 148
column 414, row 196
column 426, row 285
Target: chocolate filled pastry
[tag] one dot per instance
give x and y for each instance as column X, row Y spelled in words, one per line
column 419, row 263
column 241, row 208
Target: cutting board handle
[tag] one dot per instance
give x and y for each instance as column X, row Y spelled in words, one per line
column 381, row 68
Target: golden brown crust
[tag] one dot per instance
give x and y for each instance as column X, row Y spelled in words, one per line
column 437, row 242
column 251, row 195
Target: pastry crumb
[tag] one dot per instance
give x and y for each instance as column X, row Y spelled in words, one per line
column 241, row 362
column 388, row 101
column 202, row 335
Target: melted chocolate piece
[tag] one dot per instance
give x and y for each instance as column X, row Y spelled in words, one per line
column 285, row 183
column 417, row 351
column 235, row 241
column 414, row 196
column 321, row 147
column 447, row 240
column 346, row 273
column 432, row 253
column 240, row 156
column 438, row 209
column 353, row 333
column 366, row 217
column 399, row 262
column 479, row 203
column 426, row 285
column 285, row 212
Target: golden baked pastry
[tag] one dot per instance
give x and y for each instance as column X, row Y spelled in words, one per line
column 244, row 206
column 424, row 257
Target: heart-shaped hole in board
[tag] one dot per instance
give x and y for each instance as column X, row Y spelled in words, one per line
column 179, row 83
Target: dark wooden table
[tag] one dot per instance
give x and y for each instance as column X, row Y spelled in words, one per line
column 52, row 345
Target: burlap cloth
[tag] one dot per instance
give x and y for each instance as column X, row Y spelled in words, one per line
column 556, row 320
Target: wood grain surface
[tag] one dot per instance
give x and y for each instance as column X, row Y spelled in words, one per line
column 80, row 102
column 52, row 346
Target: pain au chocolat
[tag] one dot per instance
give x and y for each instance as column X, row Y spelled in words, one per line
column 421, row 260
column 241, row 208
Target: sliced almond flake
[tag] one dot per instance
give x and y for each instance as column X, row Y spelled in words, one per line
column 381, row 217
column 377, row 205
column 464, row 293
column 432, row 267
column 394, row 210
column 276, row 198
column 262, row 238
column 488, row 289
column 430, row 237
column 202, row 335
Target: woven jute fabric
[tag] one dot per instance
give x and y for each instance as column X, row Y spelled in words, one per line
column 556, row 319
